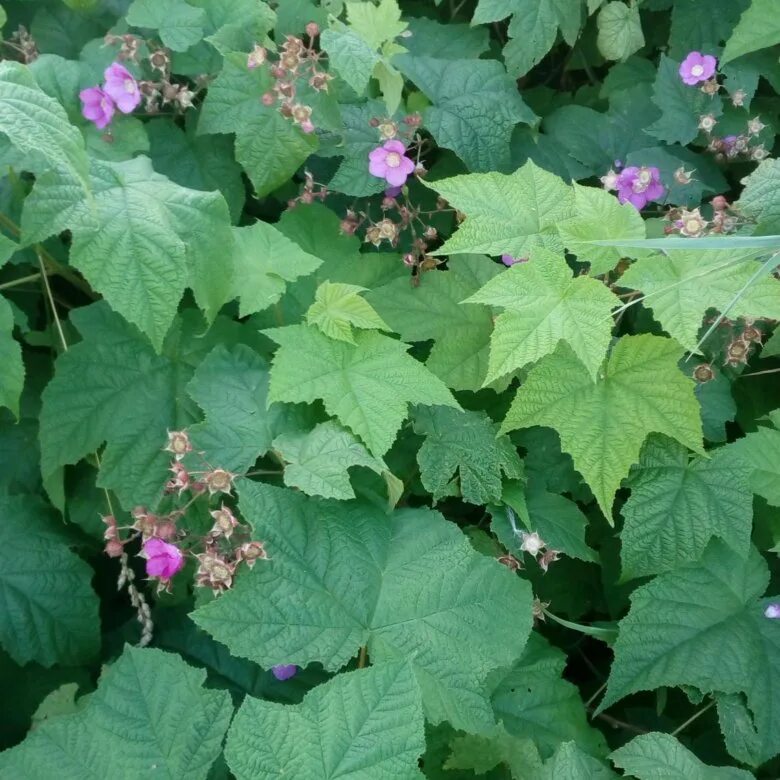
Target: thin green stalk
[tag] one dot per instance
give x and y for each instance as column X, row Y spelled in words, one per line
column 20, row 280
column 693, row 717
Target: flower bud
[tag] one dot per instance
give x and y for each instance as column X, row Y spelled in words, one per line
column 719, row 203
column 312, row 29
column 114, row 548
column 703, row 373
column 707, row 122
column 219, row 481
column 256, row 57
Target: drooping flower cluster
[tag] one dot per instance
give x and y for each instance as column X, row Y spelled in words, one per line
column 120, row 91
column 635, row 185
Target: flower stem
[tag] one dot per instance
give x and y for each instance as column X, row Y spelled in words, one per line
column 20, row 280
column 693, row 717
column 362, row 657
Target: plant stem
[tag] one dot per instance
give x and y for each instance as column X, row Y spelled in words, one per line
column 362, row 657
column 595, row 695
column 604, row 634
column 20, row 280
column 693, row 717
column 621, row 724
column 53, row 306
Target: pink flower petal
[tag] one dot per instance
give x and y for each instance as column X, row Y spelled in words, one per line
column 394, row 146
column 396, row 176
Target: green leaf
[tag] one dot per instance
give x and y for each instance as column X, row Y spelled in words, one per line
column 366, row 385
column 475, row 107
column 433, row 310
column 338, row 307
column 265, row 261
column 603, row 425
column 12, row 375
column 599, row 215
column 653, row 756
column 684, row 624
column 361, row 725
column 758, row 28
column 534, row 702
column 681, row 285
column 760, row 450
column 151, row 240
column 678, row 504
column 544, row 305
column 506, row 214
column 302, row 605
column 350, row 57
column 464, row 444
column 149, row 713
column 38, row 126
column 179, row 24
column 451, row 40
column 481, row 754
column 231, row 386
column 570, row 762
column 196, row 162
column 317, row 461
column 681, row 105
column 759, row 199
column 36, row 570
column 375, row 24
column 620, row 31
column 268, row 146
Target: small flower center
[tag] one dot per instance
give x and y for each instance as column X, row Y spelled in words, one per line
column 129, row 86
column 393, row 159
column 697, row 70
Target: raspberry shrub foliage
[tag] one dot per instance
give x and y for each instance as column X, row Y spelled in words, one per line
column 389, row 389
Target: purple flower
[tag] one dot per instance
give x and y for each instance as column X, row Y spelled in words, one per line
column 697, row 67
column 511, row 259
column 285, row 671
column 390, row 163
column 163, row 560
column 393, row 192
column 639, row 186
column 772, row 611
column 122, row 88
column 97, row 106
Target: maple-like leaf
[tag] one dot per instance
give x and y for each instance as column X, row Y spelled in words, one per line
column 603, row 425
column 544, row 305
column 339, row 307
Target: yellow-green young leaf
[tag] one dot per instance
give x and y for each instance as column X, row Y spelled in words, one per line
column 350, row 56
column 338, row 307
column 265, row 261
column 758, row 28
column 678, row 504
column 433, row 311
column 151, row 239
column 423, row 594
column 544, row 305
column 599, row 217
column 391, row 85
column 361, row 725
column 462, row 450
column 681, row 285
column 506, row 214
column 50, row 612
column 654, row 756
column 149, row 715
column 620, row 30
column 760, row 199
column 704, row 626
column 12, row 371
column 179, row 24
column 603, row 425
column 760, row 451
column 367, row 385
column 375, row 24
column 317, row 461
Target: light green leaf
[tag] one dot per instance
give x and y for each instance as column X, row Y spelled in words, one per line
column 760, row 199
column 350, row 56
column 678, row 504
column 375, row 24
column 265, row 261
column 338, row 307
column 758, row 28
column 36, row 569
column 452, row 40
column 391, row 85
column 38, row 126
column 366, row 385
column 704, row 626
column 481, row 754
column 317, row 461
column 152, row 239
column 300, row 605
column 128, row 139
column 658, row 756
column 150, row 713
column 361, row 725
column 506, row 214
column 231, row 386
column 760, row 450
column 620, row 31
column 570, row 762
column 603, row 425
column 179, row 24
column 475, row 107
column 268, row 146
column 681, row 105
column 544, row 305
column 534, row 701
column 599, row 216
column 433, row 310
column 464, row 444
column 681, row 285
column 12, row 372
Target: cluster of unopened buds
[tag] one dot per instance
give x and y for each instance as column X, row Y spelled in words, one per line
column 296, row 60
column 691, row 223
column 165, row 544
column 312, row 191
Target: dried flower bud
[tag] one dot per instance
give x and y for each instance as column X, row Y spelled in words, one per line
column 681, row 176
column 373, row 122
column 738, row 98
column 758, row 153
column 413, row 120
column 388, row 130
column 409, row 260
column 300, row 113
column 219, row 481
column 538, row 608
column 510, row 562
column 181, row 479
column 256, row 57
column 719, row 203
column 251, row 552
column 289, row 60
column 707, row 122
column 430, row 233
column 166, row 530
column 114, row 548
column 388, row 230
column 224, row 522
column 703, row 373
column 159, row 60
column 547, row 558
column 691, row 223
column 752, row 334
column 755, row 125
column 609, row 180
column 737, row 352
column 178, row 444
column 710, row 87
column 278, row 72
column 348, row 226
column 319, row 81
column 312, row 29
column 214, row 572
column 531, row 543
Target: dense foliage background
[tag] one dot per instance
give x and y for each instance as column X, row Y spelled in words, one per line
column 389, row 389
